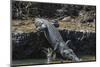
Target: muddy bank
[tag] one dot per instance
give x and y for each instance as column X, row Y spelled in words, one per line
column 28, row 45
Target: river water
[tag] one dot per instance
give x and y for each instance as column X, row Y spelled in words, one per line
column 44, row 61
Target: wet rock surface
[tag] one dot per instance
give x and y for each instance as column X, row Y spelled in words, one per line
column 29, row 45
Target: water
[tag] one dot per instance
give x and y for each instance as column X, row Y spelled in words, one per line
column 29, row 62
column 44, row 61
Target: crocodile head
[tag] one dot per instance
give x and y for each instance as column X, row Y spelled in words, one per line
column 71, row 55
column 68, row 53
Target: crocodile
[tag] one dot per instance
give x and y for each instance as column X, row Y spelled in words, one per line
column 55, row 39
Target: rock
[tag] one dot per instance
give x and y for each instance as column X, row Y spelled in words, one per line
column 66, row 19
column 28, row 45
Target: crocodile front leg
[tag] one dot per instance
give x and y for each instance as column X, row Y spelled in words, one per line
column 49, row 54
